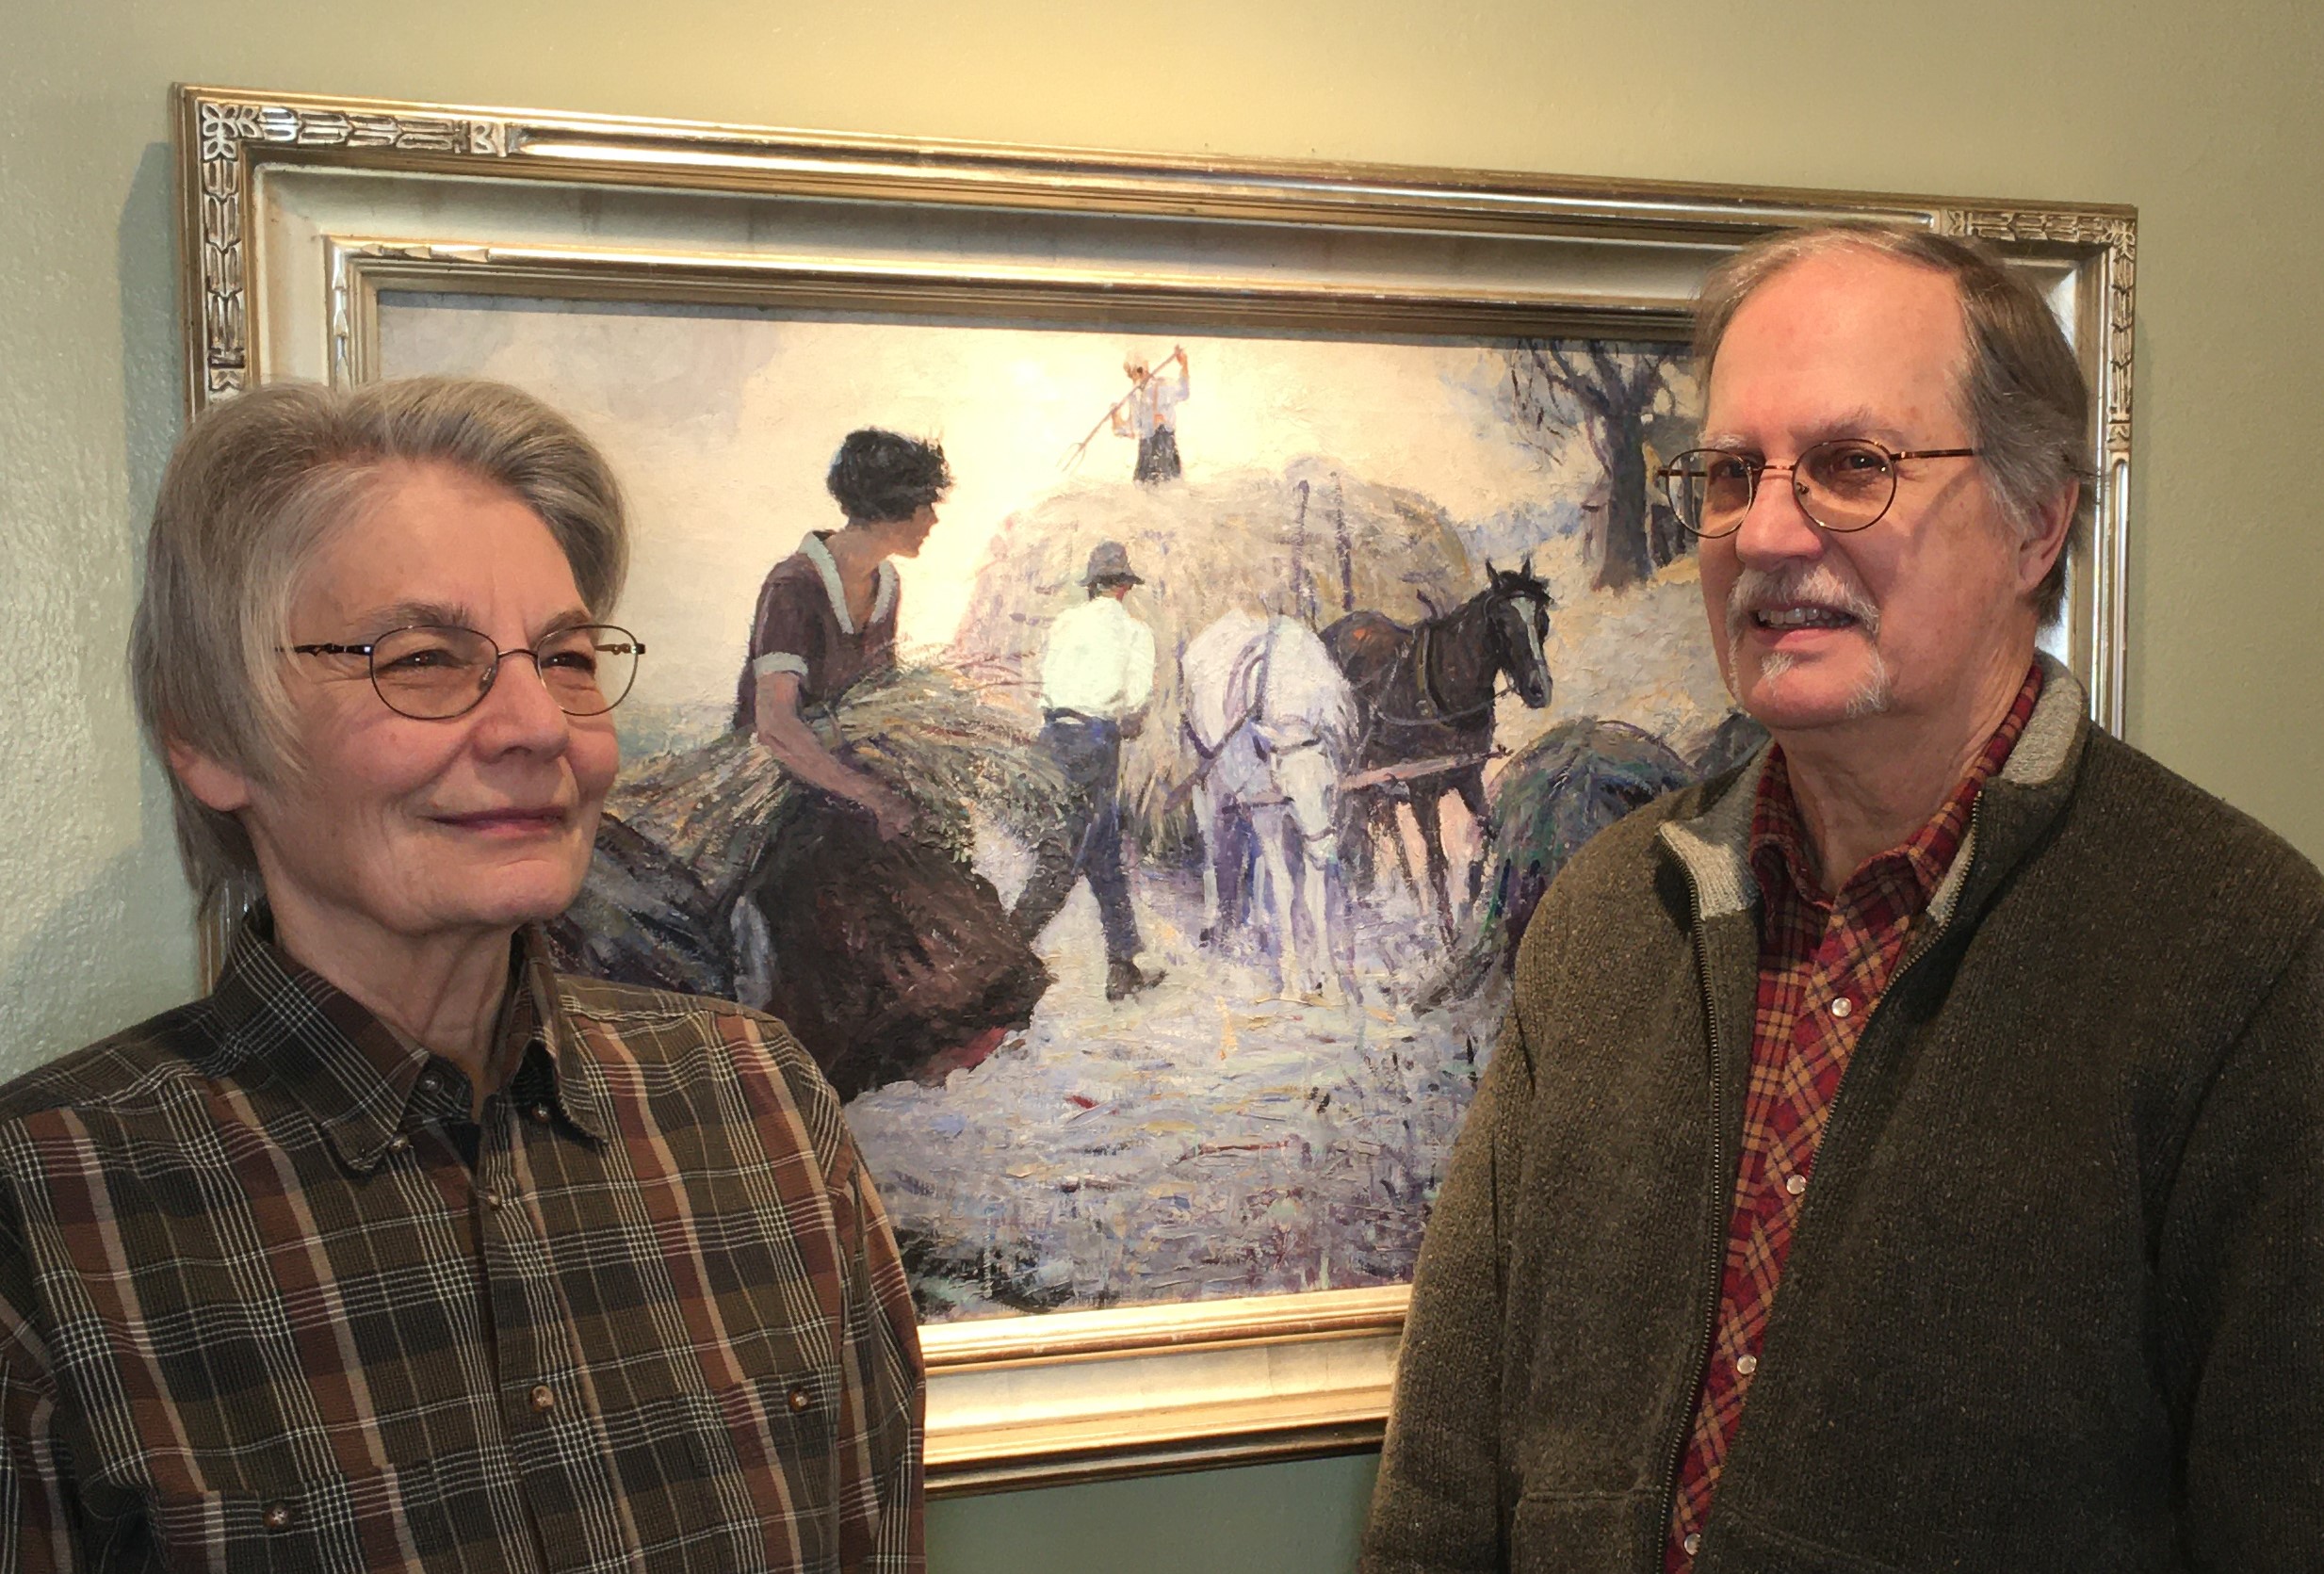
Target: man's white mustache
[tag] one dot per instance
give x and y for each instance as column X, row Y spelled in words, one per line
column 1816, row 585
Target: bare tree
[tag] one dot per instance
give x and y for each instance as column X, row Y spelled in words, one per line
column 1615, row 399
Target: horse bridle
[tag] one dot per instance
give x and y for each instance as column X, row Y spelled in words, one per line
column 1243, row 719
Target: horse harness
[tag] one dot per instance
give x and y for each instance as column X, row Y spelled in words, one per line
column 1236, row 676
column 1430, row 710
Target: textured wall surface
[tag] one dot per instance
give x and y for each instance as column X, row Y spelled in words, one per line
column 2209, row 125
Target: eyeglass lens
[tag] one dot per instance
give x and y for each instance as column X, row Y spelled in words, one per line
column 1842, row 485
column 434, row 674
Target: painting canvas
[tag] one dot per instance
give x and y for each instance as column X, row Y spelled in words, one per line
column 1455, row 541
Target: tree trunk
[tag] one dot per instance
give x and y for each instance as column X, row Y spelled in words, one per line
column 1629, row 556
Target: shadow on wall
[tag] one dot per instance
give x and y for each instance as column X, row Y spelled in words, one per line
column 105, row 956
column 153, row 349
column 118, row 946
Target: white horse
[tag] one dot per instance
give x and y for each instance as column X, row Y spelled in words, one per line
column 1274, row 721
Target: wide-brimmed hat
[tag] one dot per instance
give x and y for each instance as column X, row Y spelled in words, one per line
column 1110, row 561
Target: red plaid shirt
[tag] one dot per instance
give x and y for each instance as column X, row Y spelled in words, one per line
column 1823, row 965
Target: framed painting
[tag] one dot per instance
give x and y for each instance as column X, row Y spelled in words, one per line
column 1184, row 977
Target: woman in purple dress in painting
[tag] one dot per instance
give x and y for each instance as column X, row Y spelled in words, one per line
column 892, row 959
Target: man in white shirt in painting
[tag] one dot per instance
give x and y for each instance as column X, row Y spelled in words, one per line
column 1097, row 675
column 1149, row 412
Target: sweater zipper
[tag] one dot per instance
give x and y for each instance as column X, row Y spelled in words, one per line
column 1919, row 947
column 1676, row 1451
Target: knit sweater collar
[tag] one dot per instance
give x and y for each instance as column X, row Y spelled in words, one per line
column 1713, row 845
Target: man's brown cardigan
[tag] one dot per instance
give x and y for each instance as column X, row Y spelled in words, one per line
column 2056, row 1297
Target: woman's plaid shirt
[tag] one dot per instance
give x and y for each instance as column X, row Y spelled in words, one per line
column 1824, row 962
column 270, row 1300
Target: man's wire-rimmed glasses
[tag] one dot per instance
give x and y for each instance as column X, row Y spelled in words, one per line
column 432, row 672
column 1843, row 484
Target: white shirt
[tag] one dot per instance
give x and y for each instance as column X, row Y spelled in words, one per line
column 1100, row 661
column 1154, row 404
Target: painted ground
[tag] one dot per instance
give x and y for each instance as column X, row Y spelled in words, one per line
column 1207, row 1137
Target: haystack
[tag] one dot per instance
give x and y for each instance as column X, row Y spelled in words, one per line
column 1313, row 541
column 1555, row 794
column 924, row 732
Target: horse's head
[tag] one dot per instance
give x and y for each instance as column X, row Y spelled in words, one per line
column 1305, row 768
column 1516, row 619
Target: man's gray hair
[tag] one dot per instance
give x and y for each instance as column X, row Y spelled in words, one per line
column 2021, row 391
column 254, row 489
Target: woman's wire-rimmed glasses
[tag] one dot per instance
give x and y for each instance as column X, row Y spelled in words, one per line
column 432, row 672
column 1843, row 484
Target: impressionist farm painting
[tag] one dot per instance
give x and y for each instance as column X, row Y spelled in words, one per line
column 1421, row 623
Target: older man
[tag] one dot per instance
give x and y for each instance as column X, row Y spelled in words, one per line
column 1906, row 1152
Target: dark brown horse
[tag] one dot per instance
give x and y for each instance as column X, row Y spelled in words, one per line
column 1425, row 695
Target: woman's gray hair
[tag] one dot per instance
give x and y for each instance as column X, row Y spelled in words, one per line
column 253, row 489
column 2021, row 391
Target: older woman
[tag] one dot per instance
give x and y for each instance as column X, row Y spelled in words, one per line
column 400, row 1249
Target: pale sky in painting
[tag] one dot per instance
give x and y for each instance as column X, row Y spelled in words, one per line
column 721, row 425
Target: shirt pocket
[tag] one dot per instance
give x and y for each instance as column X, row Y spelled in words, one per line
column 323, row 1525
column 774, row 1439
column 1553, row 1532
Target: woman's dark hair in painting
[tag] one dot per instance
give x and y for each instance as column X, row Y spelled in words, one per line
column 254, row 490
column 2021, row 391
column 880, row 475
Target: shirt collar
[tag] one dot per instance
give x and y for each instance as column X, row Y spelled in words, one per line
column 812, row 547
column 353, row 1074
column 1778, row 843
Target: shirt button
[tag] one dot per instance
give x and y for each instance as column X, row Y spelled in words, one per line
column 278, row 1517
column 540, row 1113
column 799, row 1400
column 1692, row 1543
column 494, row 1199
column 1745, row 1365
column 1842, row 1006
column 1796, row 1184
column 543, row 1397
column 398, row 1144
column 429, row 1082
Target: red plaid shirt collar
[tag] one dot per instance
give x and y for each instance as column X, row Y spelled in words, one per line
column 1780, row 848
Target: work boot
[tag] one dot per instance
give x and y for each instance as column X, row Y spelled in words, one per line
column 1125, row 978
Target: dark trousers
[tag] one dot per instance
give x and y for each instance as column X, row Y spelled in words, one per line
column 1158, row 456
column 1086, row 840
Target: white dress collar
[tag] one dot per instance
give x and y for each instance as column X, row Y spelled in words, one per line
column 884, row 579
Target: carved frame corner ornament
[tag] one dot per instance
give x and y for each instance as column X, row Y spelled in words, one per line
column 300, row 212
column 2117, row 235
column 223, row 136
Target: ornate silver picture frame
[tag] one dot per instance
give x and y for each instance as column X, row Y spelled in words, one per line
column 313, row 227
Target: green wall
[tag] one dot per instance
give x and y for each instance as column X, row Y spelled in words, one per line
column 2203, row 116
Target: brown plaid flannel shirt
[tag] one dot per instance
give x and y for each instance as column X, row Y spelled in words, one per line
column 1824, row 963
column 270, row 1300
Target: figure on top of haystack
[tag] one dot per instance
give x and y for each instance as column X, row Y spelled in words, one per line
column 1149, row 412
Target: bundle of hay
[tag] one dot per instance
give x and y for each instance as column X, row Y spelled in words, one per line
column 1312, row 541
column 684, row 829
column 1556, row 793
column 924, row 732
